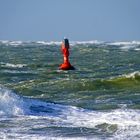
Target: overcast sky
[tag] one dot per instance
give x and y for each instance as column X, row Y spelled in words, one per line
column 82, row 20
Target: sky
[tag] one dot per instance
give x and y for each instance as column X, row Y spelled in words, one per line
column 79, row 20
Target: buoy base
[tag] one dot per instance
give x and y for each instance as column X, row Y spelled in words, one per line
column 66, row 67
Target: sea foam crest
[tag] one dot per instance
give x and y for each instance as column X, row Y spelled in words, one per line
column 10, row 103
column 86, row 42
column 17, row 43
column 12, row 65
column 132, row 75
column 134, row 45
column 12, row 43
column 49, row 43
column 124, row 43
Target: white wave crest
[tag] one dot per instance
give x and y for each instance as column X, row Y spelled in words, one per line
column 12, row 43
column 17, row 43
column 12, row 65
column 86, row 42
column 125, row 46
column 132, row 75
column 49, row 43
column 124, row 43
column 10, row 103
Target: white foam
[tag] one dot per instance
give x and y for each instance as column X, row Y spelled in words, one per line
column 137, row 49
column 128, row 47
column 132, row 75
column 10, row 103
column 92, row 118
column 134, row 45
column 70, row 116
column 124, row 43
column 12, row 43
column 126, row 120
column 18, row 72
column 49, row 43
column 136, row 42
column 71, row 42
column 86, row 42
column 16, row 136
column 13, row 65
column 17, row 43
column 129, row 75
column 4, row 41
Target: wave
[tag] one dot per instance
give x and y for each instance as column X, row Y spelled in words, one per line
column 10, row 103
column 12, row 43
column 49, row 43
column 131, row 47
column 124, row 43
column 96, row 42
column 120, row 122
column 130, row 80
column 134, row 45
column 134, row 75
column 87, row 42
column 126, row 81
column 20, row 43
column 10, row 65
column 17, row 43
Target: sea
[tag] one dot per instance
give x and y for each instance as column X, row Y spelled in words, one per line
column 99, row 100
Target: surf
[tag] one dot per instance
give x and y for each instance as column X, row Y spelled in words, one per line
column 114, row 123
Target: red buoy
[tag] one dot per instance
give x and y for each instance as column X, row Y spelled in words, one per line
column 65, row 51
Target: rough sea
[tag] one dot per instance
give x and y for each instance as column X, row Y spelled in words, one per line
column 100, row 100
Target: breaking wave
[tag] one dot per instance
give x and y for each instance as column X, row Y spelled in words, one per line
column 120, row 123
column 10, row 103
column 126, row 81
column 72, row 42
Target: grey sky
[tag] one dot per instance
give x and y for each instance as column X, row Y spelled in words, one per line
column 106, row 20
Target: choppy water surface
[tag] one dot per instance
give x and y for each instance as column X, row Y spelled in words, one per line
column 98, row 100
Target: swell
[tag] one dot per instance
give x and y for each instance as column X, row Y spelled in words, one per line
column 126, row 81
